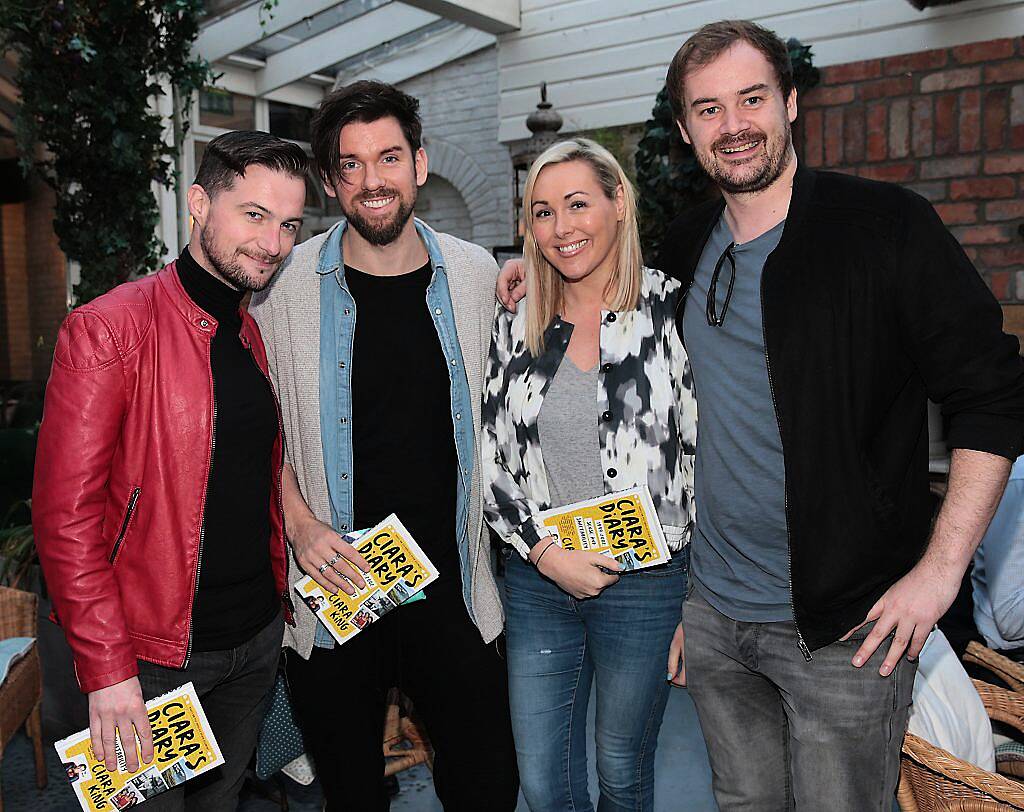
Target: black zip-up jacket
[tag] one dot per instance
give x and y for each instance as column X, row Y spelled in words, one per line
column 870, row 308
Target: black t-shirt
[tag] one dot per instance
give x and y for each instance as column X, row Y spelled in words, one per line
column 403, row 443
column 236, row 596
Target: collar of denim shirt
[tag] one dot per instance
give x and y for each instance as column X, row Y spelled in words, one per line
column 332, row 261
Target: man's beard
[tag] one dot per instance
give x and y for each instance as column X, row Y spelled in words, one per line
column 378, row 231
column 757, row 175
column 230, row 268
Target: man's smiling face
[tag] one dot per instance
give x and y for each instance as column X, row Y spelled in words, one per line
column 737, row 120
column 379, row 176
column 244, row 232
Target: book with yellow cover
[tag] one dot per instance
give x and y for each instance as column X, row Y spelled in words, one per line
column 183, row 747
column 622, row 525
column 399, row 570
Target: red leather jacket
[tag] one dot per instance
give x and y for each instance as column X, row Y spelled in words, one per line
column 121, row 470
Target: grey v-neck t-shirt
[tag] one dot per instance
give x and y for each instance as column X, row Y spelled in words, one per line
column 740, row 550
column 569, row 440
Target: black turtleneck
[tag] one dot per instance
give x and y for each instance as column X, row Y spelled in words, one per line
column 236, row 596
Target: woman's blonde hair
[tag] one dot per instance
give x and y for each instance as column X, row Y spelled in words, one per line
column 544, row 282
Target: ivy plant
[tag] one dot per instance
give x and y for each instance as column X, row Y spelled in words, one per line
column 89, row 72
column 669, row 178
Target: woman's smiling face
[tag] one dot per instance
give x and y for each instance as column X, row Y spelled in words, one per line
column 573, row 221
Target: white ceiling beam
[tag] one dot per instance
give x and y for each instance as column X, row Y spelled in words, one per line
column 492, row 16
column 239, row 80
column 235, row 79
column 249, row 63
column 301, row 94
column 340, row 43
column 433, row 52
column 241, row 28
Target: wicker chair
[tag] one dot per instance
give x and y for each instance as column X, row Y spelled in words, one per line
column 22, row 691
column 932, row 780
column 405, row 743
column 1003, row 667
column 1002, row 705
column 1007, row 707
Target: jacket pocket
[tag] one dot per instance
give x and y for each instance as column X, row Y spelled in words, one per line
column 133, row 500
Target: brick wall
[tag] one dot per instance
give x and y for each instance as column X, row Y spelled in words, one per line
column 947, row 123
column 33, row 294
column 15, row 327
column 47, row 279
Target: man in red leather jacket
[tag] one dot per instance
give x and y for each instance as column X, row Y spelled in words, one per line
column 156, row 501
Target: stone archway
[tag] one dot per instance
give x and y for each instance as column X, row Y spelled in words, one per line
column 442, row 206
column 448, row 161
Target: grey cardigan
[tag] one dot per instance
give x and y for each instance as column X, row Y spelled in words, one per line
column 288, row 314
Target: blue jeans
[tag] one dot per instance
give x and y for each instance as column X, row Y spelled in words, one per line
column 557, row 645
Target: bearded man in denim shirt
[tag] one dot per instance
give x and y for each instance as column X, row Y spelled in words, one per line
column 377, row 336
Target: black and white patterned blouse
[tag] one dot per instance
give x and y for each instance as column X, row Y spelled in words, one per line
column 644, row 405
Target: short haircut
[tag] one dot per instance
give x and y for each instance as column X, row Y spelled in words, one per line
column 364, row 101
column 228, row 156
column 714, row 39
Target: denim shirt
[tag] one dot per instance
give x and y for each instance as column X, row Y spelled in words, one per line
column 337, row 334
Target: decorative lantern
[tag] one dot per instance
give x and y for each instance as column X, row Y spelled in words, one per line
column 544, row 123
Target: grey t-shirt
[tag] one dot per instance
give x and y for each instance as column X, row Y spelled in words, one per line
column 740, row 551
column 568, row 435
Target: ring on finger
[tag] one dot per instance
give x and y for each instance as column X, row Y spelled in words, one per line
column 333, row 560
column 324, row 567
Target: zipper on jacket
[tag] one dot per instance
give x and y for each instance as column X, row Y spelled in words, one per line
column 286, row 598
column 206, row 491
column 804, row 649
column 124, row 525
column 785, row 489
column 684, row 293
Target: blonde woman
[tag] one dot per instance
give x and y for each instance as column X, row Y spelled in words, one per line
column 588, row 391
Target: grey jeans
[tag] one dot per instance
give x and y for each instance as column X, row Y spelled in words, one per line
column 233, row 686
column 786, row 734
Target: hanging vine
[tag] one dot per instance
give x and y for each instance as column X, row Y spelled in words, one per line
column 89, row 72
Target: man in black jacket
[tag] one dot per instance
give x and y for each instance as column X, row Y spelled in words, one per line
column 822, row 311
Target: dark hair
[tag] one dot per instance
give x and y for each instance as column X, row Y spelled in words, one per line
column 364, row 101
column 227, row 157
column 711, row 41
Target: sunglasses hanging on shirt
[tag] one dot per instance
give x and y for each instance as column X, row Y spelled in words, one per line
column 716, row 319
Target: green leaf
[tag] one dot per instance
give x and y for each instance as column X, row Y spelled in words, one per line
column 87, row 72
